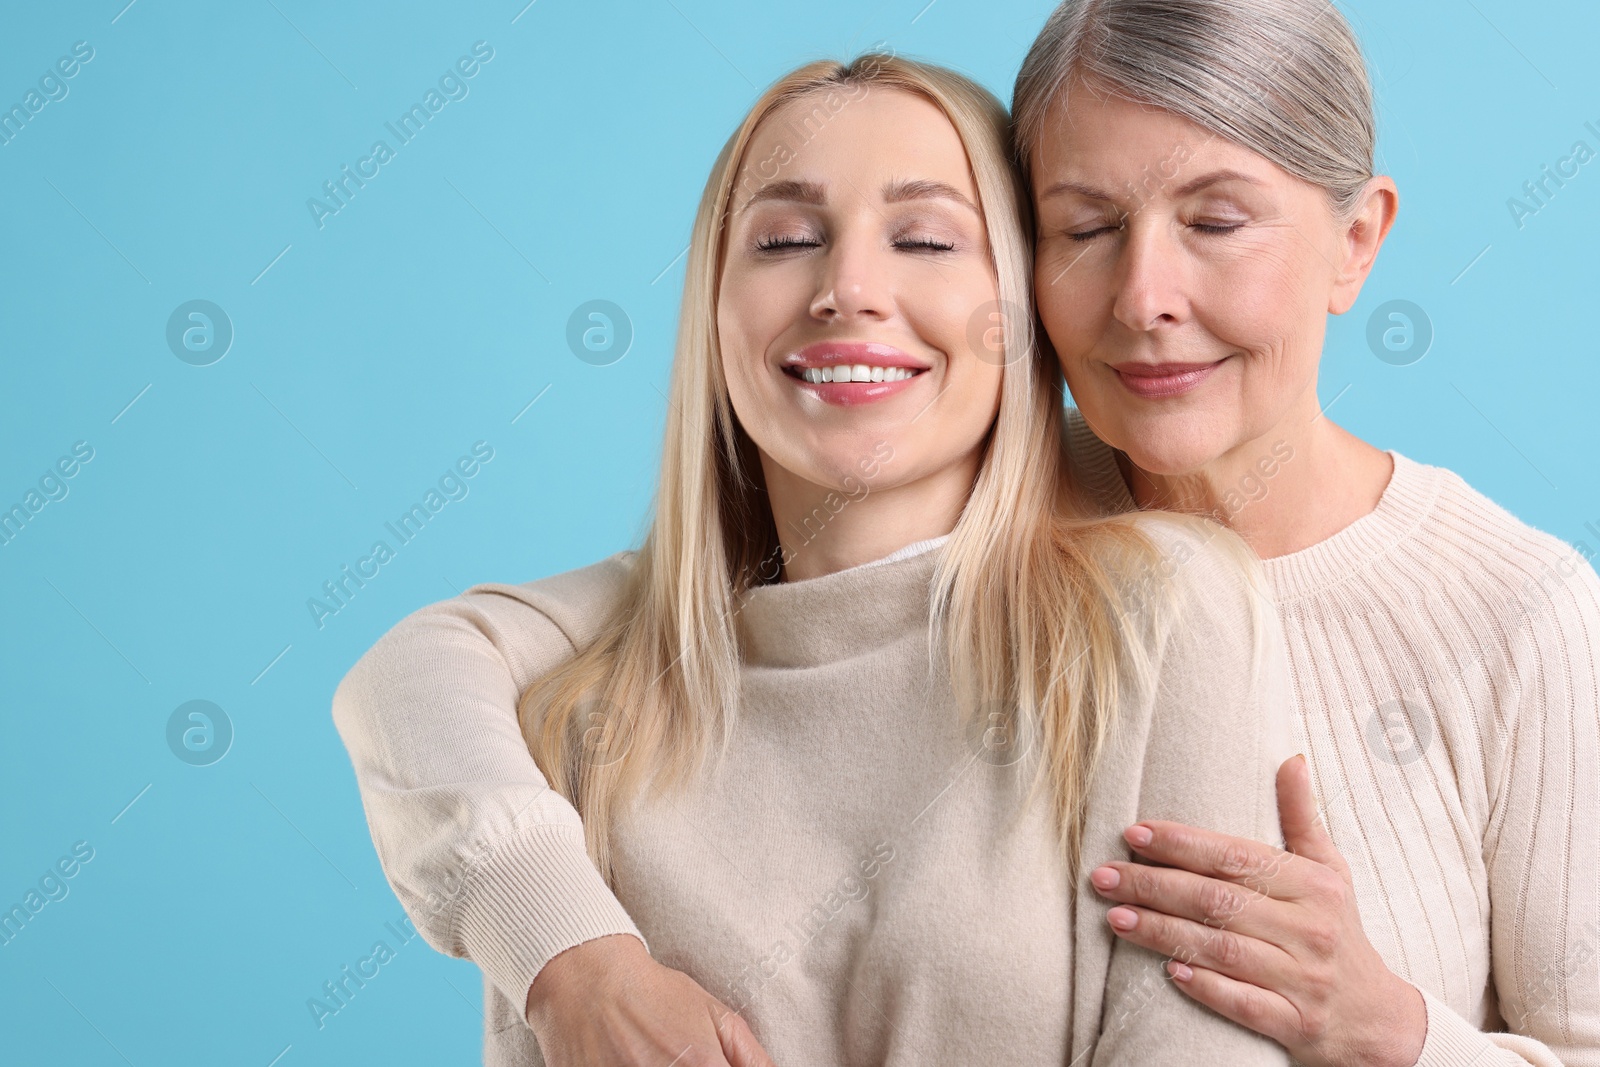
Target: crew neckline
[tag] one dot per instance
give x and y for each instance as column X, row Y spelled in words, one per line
column 1405, row 503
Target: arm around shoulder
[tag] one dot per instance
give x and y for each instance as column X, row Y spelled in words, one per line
column 484, row 856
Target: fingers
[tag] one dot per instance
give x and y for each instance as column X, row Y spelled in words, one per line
column 1215, row 903
column 739, row 1044
column 1304, row 832
column 1261, row 867
column 1227, row 952
column 1250, row 1006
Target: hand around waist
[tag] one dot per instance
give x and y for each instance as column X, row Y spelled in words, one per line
column 607, row 1001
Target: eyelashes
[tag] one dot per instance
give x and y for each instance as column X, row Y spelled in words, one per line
column 788, row 242
column 1209, row 229
column 1089, row 235
column 783, row 244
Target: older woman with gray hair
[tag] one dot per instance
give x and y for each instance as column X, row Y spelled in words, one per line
column 1202, row 172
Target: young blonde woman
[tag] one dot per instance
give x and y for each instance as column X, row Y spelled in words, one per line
column 831, row 742
column 1205, row 200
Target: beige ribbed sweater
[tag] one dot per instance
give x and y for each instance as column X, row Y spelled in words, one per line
column 1446, row 695
column 857, row 878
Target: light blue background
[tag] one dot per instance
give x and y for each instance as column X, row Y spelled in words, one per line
column 425, row 316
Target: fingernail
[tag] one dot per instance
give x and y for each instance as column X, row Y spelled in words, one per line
column 1122, row 918
column 1105, row 878
column 1138, row 836
column 1178, row 971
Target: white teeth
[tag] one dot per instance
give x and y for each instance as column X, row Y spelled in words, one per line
column 859, row 372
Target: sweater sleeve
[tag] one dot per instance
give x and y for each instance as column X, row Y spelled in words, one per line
column 1543, row 844
column 487, row 859
column 1219, row 728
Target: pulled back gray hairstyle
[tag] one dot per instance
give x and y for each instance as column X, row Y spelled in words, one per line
column 1284, row 78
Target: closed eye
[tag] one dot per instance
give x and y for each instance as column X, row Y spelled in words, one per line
column 780, row 244
column 1089, row 235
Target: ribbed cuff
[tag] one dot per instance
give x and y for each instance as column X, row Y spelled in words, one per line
column 1452, row 1041
column 534, row 895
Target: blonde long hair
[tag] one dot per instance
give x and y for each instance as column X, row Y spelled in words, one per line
column 1026, row 598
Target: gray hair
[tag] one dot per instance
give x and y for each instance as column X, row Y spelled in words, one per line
column 1284, row 78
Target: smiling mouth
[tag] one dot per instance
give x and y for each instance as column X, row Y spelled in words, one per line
column 851, row 372
column 1160, row 380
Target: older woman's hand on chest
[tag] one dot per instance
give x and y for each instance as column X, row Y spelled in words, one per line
column 1268, row 938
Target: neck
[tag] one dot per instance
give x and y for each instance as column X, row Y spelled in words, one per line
column 823, row 530
column 1293, row 487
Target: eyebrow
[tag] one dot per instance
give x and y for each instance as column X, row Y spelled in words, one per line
column 899, row 191
column 1194, row 185
column 788, row 189
column 925, row 189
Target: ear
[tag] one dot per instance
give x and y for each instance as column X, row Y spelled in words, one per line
column 1360, row 239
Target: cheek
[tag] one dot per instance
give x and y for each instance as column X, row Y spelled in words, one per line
column 1261, row 300
column 739, row 343
column 752, row 310
column 1071, row 308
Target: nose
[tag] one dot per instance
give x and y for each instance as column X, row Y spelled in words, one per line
column 1150, row 290
column 853, row 279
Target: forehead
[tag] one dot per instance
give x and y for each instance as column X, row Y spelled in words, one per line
column 1090, row 132
column 859, row 137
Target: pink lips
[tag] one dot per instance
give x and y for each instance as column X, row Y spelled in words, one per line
column 848, row 353
column 1156, row 380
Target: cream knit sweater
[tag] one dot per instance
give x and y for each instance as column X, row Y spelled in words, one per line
column 1446, row 695
column 858, row 878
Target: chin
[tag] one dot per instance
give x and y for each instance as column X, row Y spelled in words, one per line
column 1169, row 445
